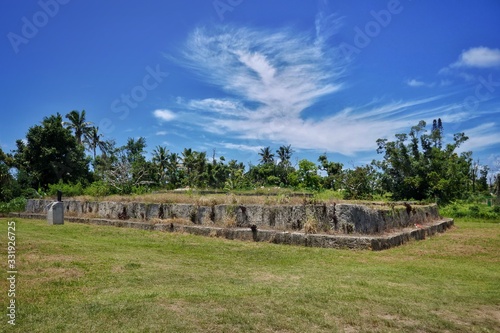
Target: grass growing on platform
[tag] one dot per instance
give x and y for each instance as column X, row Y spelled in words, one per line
column 87, row 278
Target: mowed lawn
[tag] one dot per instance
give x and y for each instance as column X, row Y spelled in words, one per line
column 86, row 278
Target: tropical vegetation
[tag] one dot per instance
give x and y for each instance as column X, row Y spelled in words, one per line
column 74, row 156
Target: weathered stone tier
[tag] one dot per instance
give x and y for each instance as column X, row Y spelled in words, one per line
column 337, row 218
column 375, row 243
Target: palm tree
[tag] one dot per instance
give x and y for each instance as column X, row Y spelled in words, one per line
column 285, row 154
column 173, row 169
column 194, row 165
column 266, row 156
column 201, row 174
column 188, row 164
column 78, row 124
column 135, row 148
column 94, row 141
column 160, row 160
column 187, row 160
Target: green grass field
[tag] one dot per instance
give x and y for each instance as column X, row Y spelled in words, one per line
column 85, row 278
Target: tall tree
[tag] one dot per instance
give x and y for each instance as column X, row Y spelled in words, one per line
column 135, row 149
column 174, row 175
column 333, row 171
column 188, row 164
column 482, row 185
column 9, row 187
column 236, row 178
column 195, row 168
column 413, row 171
column 103, row 162
column 160, row 163
column 94, row 141
column 308, row 175
column 360, row 182
column 440, row 129
column 122, row 175
column 51, row 153
column 266, row 157
column 437, row 133
column 285, row 155
column 79, row 125
column 284, row 167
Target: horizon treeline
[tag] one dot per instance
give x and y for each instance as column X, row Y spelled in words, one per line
column 71, row 154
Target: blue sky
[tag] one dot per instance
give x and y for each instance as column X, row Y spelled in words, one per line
column 238, row 75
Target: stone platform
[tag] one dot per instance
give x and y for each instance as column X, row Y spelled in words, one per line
column 350, row 226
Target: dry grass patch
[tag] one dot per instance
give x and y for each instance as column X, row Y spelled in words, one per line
column 258, row 198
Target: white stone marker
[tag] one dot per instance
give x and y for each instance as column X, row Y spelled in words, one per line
column 55, row 213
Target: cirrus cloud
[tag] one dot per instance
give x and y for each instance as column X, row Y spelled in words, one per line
column 272, row 77
column 272, row 81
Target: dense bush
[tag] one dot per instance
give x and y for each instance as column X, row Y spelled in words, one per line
column 14, row 205
column 464, row 209
column 68, row 190
column 140, row 189
column 98, row 189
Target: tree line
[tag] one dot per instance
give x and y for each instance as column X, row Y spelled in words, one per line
column 70, row 152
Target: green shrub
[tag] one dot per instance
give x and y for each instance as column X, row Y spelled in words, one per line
column 31, row 193
column 273, row 180
column 326, row 195
column 14, row 205
column 474, row 210
column 68, row 190
column 97, row 189
column 466, row 209
column 140, row 189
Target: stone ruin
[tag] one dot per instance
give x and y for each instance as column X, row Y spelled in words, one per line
column 372, row 226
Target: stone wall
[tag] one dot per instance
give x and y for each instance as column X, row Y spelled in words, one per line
column 340, row 218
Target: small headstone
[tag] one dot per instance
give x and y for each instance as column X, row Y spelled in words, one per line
column 55, row 213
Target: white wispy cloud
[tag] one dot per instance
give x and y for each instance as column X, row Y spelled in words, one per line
column 164, row 115
column 481, row 57
column 285, row 71
column 161, row 133
column 481, row 136
column 347, row 132
column 271, row 77
column 417, row 83
column 244, row 147
column 224, row 107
